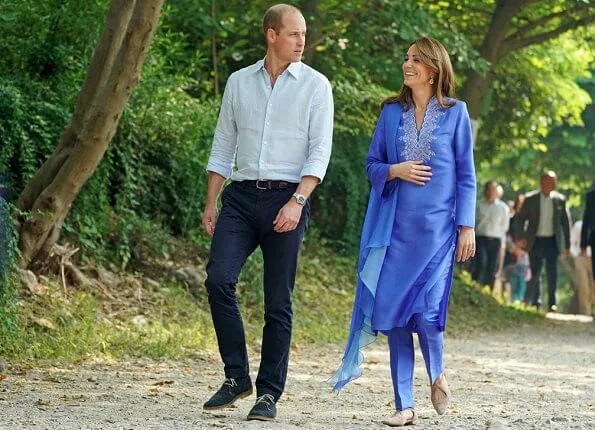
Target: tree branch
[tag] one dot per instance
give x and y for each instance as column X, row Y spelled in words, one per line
column 544, row 19
column 510, row 45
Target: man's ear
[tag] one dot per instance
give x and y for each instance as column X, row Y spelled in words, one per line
column 271, row 35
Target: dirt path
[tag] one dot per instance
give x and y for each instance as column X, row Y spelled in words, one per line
column 529, row 378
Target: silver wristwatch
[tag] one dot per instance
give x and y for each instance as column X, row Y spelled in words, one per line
column 300, row 199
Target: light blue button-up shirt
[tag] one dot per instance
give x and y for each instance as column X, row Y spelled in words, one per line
column 277, row 133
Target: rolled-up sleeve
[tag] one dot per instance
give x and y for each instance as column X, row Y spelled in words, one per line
column 225, row 141
column 465, row 168
column 320, row 132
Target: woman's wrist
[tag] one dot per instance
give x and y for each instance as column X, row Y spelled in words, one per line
column 393, row 172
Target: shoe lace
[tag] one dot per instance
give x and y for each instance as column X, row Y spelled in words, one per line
column 267, row 399
column 231, row 382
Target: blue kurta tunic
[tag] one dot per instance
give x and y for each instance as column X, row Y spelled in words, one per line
column 409, row 234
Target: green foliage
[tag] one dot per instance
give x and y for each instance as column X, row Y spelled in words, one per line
column 154, row 169
column 9, row 319
column 340, row 203
column 152, row 182
column 372, row 37
column 541, row 123
column 29, row 127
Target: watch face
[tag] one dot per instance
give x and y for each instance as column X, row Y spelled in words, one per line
column 300, row 199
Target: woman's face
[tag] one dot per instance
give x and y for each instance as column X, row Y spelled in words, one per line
column 416, row 74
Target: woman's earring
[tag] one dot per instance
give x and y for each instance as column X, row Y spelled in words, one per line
column 432, row 80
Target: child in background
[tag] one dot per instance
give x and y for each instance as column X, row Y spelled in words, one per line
column 517, row 272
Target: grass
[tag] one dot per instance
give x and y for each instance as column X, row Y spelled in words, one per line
column 472, row 309
column 168, row 322
column 77, row 326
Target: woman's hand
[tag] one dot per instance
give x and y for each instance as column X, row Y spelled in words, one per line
column 466, row 245
column 412, row 171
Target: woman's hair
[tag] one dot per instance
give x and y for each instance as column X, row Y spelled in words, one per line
column 432, row 54
column 518, row 202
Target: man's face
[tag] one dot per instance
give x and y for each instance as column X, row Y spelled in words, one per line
column 288, row 44
column 492, row 192
column 548, row 184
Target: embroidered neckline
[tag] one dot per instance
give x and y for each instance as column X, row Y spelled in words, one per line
column 418, row 143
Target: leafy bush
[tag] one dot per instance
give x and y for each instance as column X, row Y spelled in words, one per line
column 9, row 322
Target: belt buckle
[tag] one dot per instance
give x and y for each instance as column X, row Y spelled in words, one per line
column 258, row 181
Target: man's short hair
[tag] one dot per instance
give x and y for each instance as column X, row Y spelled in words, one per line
column 548, row 174
column 488, row 183
column 273, row 17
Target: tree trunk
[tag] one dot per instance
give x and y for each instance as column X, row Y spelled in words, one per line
column 476, row 84
column 114, row 72
column 311, row 13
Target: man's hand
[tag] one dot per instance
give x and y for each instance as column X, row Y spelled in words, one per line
column 466, row 245
column 209, row 218
column 288, row 217
column 584, row 251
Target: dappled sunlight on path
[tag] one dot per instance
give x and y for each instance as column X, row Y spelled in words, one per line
column 537, row 376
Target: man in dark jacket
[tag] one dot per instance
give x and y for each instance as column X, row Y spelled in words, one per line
column 588, row 228
column 543, row 223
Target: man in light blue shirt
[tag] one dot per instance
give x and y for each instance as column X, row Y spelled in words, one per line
column 276, row 124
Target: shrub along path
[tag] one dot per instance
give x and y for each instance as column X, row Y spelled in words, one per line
column 533, row 376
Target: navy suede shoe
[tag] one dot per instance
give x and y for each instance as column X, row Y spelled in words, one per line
column 230, row 391
column 264, row 409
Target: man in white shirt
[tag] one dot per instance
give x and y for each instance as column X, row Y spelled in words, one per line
column 543, row 224
column 492, row 220
column 276, row 123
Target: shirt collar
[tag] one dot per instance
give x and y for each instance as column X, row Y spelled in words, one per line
column 543, row 196
column 294, row 69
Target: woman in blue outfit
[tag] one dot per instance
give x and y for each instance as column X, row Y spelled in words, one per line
column 420, row 219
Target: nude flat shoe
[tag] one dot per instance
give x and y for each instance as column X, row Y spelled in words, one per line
column 440, row 394
column 401, row 418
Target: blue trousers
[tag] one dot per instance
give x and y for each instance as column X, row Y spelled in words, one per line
column 402, row 356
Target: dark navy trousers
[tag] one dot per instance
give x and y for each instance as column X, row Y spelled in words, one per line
column 245, row 223
column 486, row 260
column 544, row 248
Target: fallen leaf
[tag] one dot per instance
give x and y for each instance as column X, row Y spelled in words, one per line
column 38, row 289
column 161, row 383
column 44, row 323
column 52, row 378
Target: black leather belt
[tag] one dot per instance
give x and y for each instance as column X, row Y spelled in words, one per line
column 263, row 184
